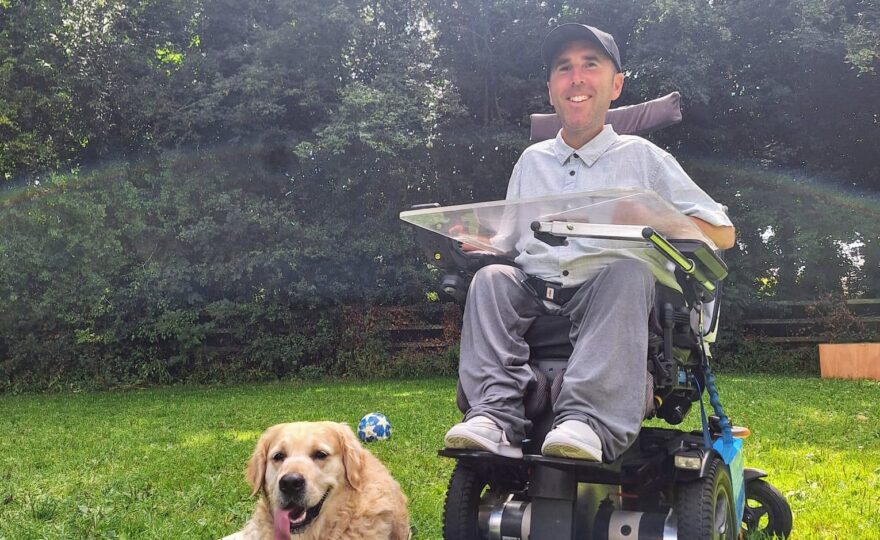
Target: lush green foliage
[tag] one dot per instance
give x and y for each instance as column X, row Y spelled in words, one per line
column 787, row 82
column 797, row 236
column 168, row 463
column 196, row 272
column 239, row 166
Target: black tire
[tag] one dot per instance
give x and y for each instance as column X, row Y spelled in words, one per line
column 462, row 506
column 467, row 490
column 767, row 513
column 705, row 508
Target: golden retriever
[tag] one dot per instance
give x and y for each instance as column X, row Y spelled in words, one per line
column 317, row 482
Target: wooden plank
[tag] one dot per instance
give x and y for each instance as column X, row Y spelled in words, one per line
column 791, row 339
column 864, row 319
column 851, row 302
column 758, row 322
column 780, row 321
column 850, row 360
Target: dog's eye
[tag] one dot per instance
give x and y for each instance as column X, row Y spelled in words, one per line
column 320, row 454
column 278, row 456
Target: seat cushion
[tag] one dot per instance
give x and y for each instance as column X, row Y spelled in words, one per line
column 548, row 337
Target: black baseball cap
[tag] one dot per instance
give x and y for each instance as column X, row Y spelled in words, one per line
column 557, row 38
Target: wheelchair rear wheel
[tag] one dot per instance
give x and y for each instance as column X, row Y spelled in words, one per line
column 705, row 508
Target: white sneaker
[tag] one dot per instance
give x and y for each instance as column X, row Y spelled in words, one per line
column 573, row 439
column 481, row 433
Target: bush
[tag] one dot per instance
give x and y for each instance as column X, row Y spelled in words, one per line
column 741, row 354
column 184, row 270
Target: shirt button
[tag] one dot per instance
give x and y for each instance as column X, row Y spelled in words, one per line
column 565, row 272
column 571, row 173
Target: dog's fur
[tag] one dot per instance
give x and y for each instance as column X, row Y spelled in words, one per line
column 362, row 500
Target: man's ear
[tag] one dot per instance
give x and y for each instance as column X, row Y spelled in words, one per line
column 352, row 456
column 550, row 95
column 617, row 86
column 256, row 468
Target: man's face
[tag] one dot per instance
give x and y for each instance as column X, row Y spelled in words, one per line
column 583, row 83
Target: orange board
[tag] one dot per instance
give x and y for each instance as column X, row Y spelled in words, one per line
column 850, row 360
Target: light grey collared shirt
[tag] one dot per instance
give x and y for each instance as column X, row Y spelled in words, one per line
column 608, row 161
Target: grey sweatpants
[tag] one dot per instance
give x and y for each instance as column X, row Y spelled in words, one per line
column 604, row 383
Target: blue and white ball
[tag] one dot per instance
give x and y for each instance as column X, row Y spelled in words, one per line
column 374, row 427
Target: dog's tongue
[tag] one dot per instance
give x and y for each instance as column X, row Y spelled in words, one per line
column 282, row 525
column 285, row 519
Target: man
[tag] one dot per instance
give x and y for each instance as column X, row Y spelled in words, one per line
column 599, row 409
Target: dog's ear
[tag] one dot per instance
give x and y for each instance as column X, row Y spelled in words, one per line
column 352, row 456
column 256, row 468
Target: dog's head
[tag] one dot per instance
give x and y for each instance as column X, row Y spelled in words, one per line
column 299, row 465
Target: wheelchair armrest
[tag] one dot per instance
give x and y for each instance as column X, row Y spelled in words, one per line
column 460, row 266
column 474, row 260
column 712, row 264
column 457, row 274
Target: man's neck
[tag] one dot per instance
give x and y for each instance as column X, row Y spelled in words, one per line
column 577, row 139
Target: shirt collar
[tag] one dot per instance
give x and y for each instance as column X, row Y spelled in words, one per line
column 589, row 152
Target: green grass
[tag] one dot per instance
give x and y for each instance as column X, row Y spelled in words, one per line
column 167, row 463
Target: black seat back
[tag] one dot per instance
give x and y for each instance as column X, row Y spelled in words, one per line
column 548, row 337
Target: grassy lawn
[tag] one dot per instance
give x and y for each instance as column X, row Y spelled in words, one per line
column 167, row 463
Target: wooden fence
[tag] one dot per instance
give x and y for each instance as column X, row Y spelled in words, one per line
column 801, row 322
column 786, row 322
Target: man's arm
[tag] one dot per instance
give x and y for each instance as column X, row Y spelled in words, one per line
column 723, row 236
column 674, row 185
column 458, row 230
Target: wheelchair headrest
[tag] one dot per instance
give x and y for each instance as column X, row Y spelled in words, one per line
column 629, row 120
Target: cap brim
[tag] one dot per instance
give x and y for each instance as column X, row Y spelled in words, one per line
column 566, row 33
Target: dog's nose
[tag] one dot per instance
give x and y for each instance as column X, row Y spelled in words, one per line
column 292, row 484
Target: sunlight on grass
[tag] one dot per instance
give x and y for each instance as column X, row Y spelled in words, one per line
column 199, row 439
column 244, row 435
column 169, row 462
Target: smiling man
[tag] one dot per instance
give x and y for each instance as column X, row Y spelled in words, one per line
column 583, row 79
column 607, row 291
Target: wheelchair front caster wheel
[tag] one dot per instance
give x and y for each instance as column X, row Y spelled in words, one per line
column 767, row 513
column 462, row 508
column 471, row 503
column 705, row 508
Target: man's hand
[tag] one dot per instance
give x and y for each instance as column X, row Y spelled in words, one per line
column 459, row 230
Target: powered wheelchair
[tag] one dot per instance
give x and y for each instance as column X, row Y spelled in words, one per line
column 670, row 483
